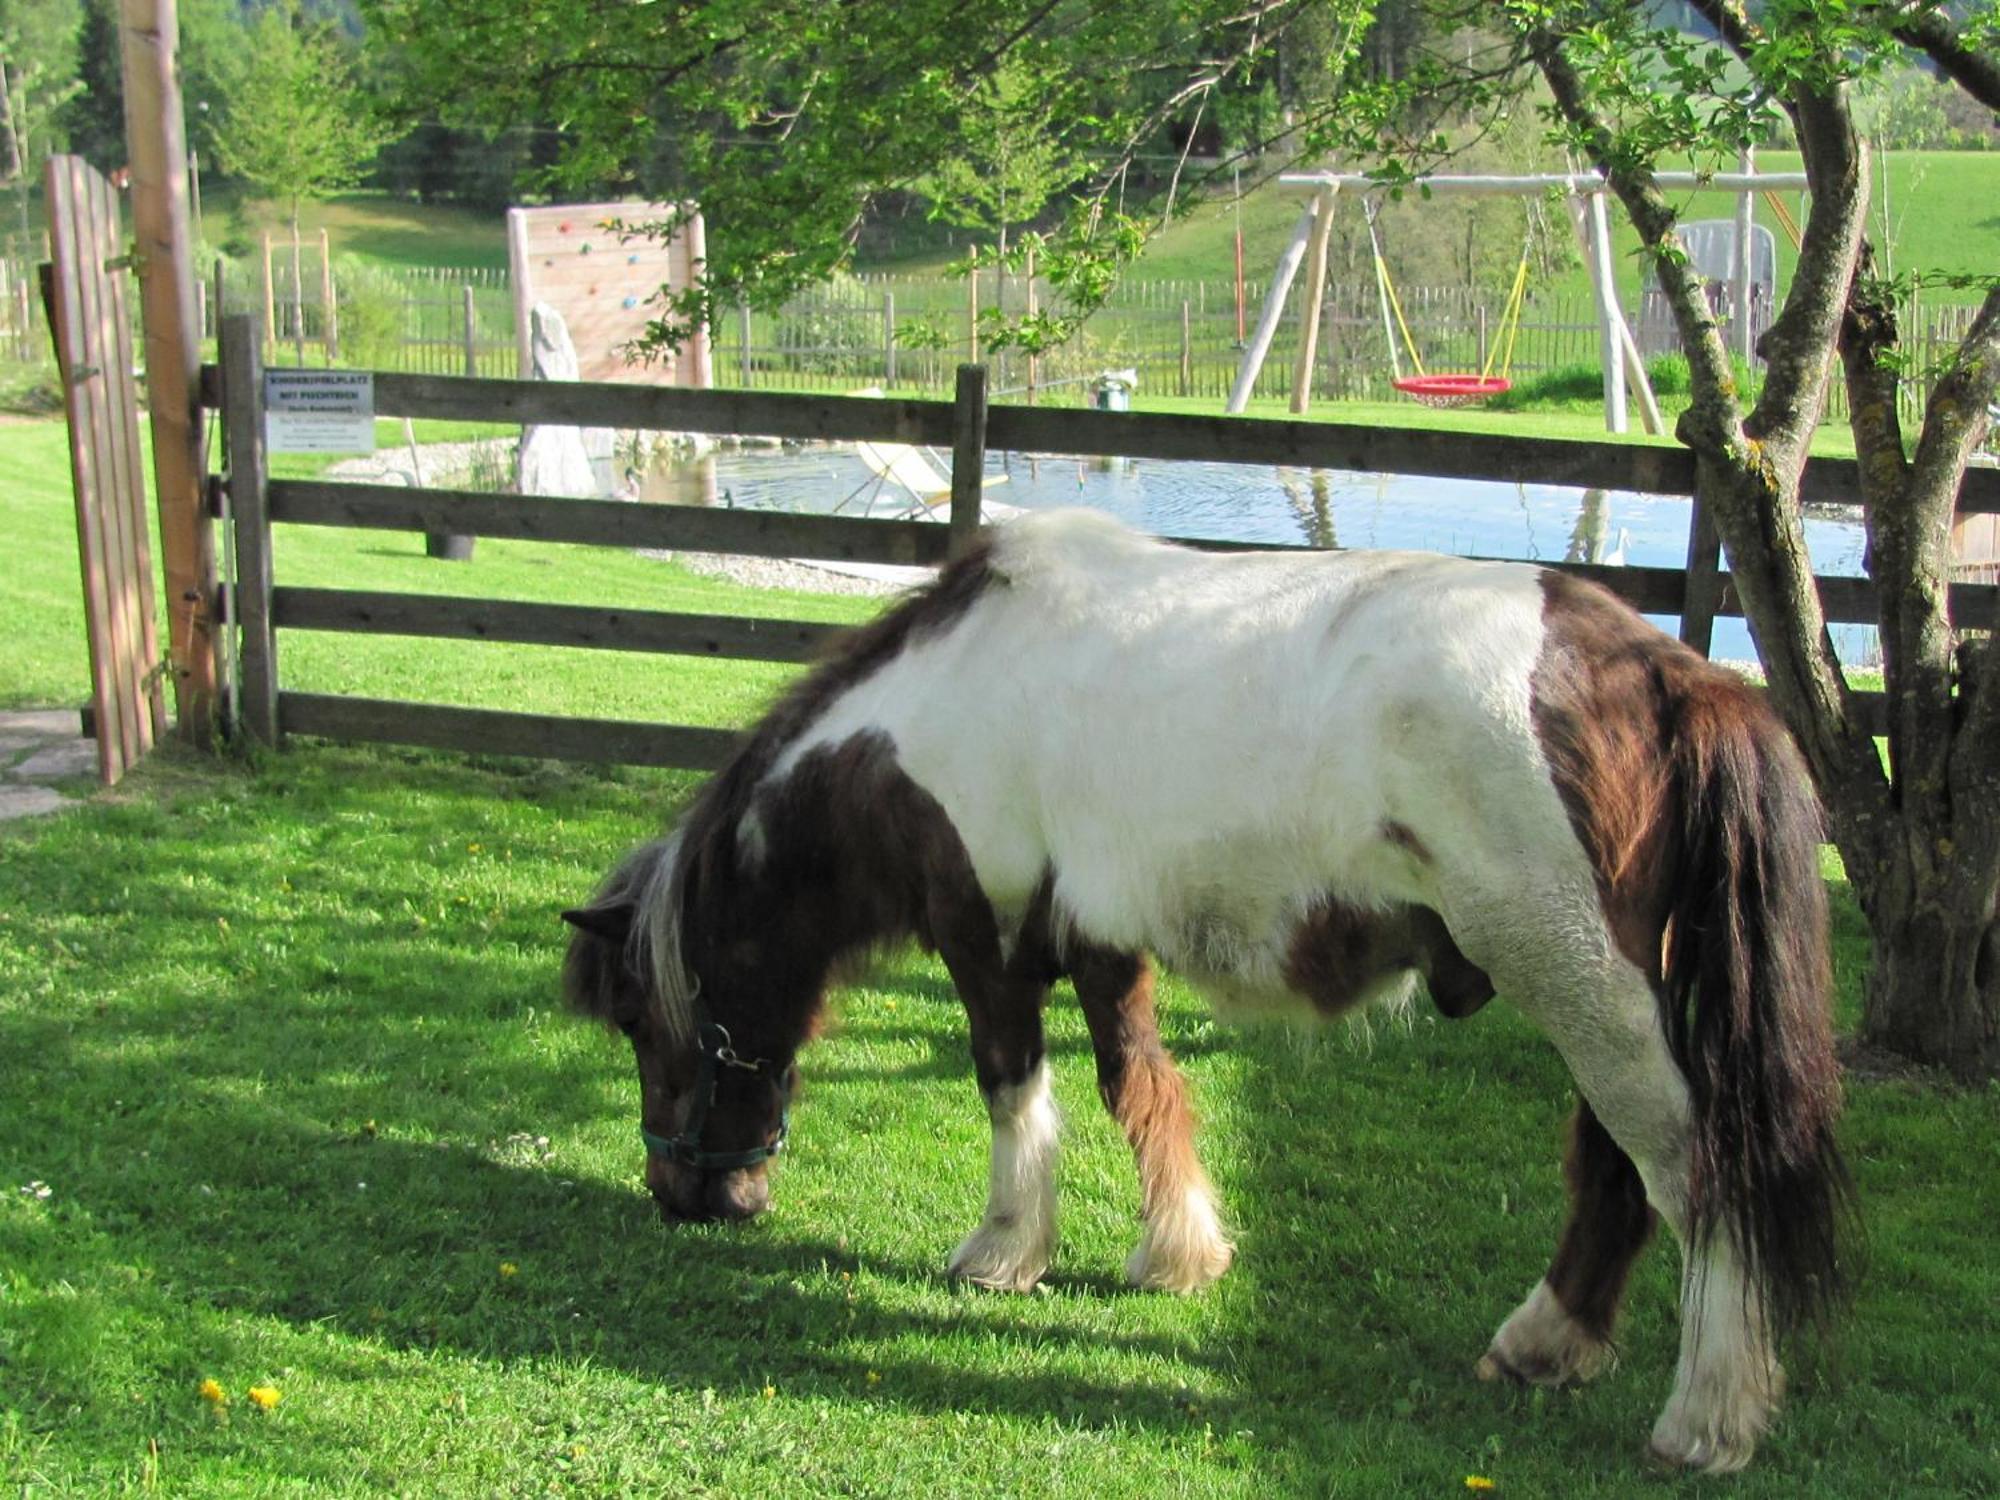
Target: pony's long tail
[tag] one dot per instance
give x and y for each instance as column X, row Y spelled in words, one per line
column 1747, row 1002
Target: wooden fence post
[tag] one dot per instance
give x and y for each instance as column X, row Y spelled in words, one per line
column 1302, row 370
column 1187, row 349
column 243, row 418
column 888, row 339
column 1701, row 594
column 971, row 321
column 471, row 336
column 968, row 457
column 270, row 293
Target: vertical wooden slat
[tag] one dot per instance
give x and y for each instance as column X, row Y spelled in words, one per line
column 110, row 517
column 243, row 416
column 98, row 216
column 968, row 457
column 1702, row 593
column 128, row 496
column 151, row 687
column 79, row 399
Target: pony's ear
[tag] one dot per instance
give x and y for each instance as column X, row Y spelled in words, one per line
column 609, row 920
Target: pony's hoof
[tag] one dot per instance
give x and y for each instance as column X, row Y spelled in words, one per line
column 1150, row 1271
column 1541, row 1344
column 1715, row 1430
column 1181, row 1252
column 1712, row 1455
column 997, row 1259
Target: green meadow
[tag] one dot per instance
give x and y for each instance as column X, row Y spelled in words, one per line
column 289, row 1103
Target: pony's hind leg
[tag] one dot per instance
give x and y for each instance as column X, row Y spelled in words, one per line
column 1727, row 1381
column 1182, row 1246
column 1562, row 1333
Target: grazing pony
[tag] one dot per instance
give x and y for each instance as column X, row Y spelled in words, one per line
column 1299, row 781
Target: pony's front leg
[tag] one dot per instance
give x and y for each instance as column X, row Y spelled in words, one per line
column 1182, row 1247
column 1016, row 1237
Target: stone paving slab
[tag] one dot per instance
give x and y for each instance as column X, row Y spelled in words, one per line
column 29, row 801
column 36, row 746
column 58, row 762
column 24, row 729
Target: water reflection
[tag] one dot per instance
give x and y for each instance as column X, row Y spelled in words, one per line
column 1289, row 506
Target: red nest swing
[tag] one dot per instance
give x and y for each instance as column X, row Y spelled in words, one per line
column 1451, row 390
column 1446, row 389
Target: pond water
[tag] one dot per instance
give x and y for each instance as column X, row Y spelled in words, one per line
column 1245, row 502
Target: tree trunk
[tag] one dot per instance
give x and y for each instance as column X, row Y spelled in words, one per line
column 1933, row 992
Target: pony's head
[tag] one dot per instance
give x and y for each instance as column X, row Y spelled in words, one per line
column 714, row 1082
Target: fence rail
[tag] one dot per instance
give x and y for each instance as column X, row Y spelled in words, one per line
column 966, row 424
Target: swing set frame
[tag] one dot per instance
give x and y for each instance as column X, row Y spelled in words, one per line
column 1584, row 192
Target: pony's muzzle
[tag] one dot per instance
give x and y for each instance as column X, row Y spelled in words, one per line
column 687, row 1195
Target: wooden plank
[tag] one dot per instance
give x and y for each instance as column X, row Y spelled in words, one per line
column 153, row 686
column 485, row 731
column 968, row 457
column 1704, row 580
column 1350, row 446
column 250, row 506
column 106, row 520
column 73, row 359
column 626, row 405
column 157, row 142
column 125, row 520
column 608, row 523
column 1315, row 304
column 446, row 617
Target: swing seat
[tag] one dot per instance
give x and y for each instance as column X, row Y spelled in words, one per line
column 1451, row 390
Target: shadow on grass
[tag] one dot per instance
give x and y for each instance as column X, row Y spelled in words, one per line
column 294, row 1046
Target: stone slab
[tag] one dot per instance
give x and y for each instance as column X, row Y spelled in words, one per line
column 29, row 801
column 56, row 762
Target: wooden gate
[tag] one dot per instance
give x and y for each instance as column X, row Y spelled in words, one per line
column 91, row 320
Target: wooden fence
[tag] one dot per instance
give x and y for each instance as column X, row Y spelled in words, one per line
column 911, row 332
column 967, row 425
column 23, row 339
column 90, row 313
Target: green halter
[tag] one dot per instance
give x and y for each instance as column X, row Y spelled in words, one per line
column 715, row 1051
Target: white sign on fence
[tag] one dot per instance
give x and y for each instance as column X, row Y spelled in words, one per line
column 319, row 411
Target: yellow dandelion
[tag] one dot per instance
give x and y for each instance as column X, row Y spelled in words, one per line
column 888, row 1005
column 508, row 1268
column 264, row 1397
column 213, row 1393
column 770, row 1391
column 1479, row 1482
column 874, row 1377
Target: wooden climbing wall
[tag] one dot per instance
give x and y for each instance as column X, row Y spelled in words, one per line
column 91, row 318
column 602, row 284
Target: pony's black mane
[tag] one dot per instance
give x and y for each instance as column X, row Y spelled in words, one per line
column 708, row 829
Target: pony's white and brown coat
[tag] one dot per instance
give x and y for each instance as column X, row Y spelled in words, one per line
column 1298, row 780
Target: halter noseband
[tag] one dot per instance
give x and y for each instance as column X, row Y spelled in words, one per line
column 714, row 1051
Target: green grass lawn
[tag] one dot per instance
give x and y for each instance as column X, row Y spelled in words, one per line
column 280, row 1036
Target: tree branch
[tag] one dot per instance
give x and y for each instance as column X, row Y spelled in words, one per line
column 1929, row 30
column 1753, row 502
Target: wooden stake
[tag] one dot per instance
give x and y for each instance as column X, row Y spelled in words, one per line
column 156, row 141
column 968, row 457
column 243, row 412
column 329, row 306
column 1274, row 310
column 1315, row 302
